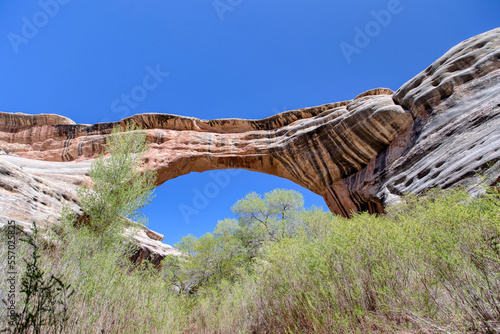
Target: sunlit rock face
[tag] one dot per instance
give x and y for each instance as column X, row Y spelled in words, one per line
column 454, row 135
column 36, row 191
column 439, row 130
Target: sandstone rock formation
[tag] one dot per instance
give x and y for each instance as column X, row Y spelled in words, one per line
column 454, row 136
column 35, row 191
column 438, row 130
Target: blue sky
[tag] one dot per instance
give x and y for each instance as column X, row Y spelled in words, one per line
column 217, row 59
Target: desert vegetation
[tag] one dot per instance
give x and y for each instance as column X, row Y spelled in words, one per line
column 431, row 264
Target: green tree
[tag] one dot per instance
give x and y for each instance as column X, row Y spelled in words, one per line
column 119, row 188
column 212, row 257
column 269, row 218
column 100, row 238
column 234, row 244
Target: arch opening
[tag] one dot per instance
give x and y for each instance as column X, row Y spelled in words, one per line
column 194, row 202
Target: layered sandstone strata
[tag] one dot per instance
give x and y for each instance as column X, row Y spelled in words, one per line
column 440, row 129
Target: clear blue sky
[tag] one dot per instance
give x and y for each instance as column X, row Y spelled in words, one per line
column 224, row 58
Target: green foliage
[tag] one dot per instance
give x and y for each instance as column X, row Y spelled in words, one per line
column 91, row 253
column 271, row 217
column 430, row 265
column 45, row 304
column 112, row 295
column 232, row 248
column 207, row 260
column 95, row 249
column 119, row 188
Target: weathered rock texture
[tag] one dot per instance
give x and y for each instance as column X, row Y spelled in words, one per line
column 35, row 191
column 454, row 136
column 438, row 130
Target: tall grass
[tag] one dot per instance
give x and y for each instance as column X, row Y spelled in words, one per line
column 430, row 265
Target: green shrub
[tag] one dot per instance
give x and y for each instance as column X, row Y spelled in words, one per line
column 44, row 306
column 431, row 264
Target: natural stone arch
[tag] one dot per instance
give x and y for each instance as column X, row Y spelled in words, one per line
column 440, row 129
column 313, row 147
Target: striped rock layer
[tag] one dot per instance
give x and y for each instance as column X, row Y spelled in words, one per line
column 440, row 129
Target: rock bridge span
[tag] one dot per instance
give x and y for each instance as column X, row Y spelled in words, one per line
column 313, row 147
column 439, row 129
